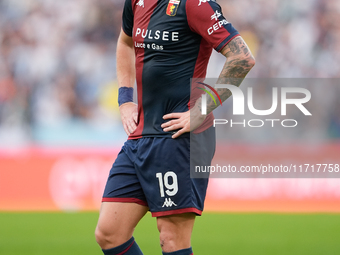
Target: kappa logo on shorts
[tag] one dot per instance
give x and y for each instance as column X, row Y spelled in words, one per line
column 172, row 8
column 169, row 203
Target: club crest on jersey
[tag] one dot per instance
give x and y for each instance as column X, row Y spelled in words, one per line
column 171, row 10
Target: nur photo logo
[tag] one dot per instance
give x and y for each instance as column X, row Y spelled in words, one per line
column 242, row 100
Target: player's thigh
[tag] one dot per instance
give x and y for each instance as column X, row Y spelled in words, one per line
column 117, row 221
column 175, row 231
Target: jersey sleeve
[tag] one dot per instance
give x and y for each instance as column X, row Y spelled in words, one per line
column 206, row 19
column 128, row 18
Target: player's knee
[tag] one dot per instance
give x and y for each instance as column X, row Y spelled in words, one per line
column 170, row 236
column 168, row 240
column 109, row 238
column 101, row 237
column 175, row 232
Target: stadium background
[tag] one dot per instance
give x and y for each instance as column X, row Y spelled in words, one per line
column 60, row 129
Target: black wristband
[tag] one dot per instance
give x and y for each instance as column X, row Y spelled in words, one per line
column 125, row 95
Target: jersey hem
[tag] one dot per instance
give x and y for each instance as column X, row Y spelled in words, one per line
column 158, row 136
column 177, row 211
column 125, row 200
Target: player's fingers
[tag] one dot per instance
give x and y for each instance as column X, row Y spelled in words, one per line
column 173, row 127
column 166, row 124
column 135, row 117
column 170, row 123
column 131, row 125
column 174, row 115
column 126, row 129
column 167, row 116
column 178, row 133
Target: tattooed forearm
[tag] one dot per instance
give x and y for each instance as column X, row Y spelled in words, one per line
column 239, row 62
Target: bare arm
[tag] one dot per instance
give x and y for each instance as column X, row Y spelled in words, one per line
column 125, row 61
column 239, row 62
column 126, row 74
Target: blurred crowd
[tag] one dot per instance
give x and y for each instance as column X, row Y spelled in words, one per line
column 57, row 61
column 57, row 69
column 291, row 38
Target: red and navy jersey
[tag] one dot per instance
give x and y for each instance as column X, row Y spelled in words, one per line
column 173, row 41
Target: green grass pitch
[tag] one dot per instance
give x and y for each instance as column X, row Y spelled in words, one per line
column 72, row 233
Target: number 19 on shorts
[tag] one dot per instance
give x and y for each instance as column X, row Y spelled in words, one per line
column 171, row 186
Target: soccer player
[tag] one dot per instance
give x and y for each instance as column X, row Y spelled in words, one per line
column 162, row 45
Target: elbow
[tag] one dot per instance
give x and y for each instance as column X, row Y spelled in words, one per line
column 247, row 62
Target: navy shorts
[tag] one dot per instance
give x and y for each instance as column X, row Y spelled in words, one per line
column 155, row 172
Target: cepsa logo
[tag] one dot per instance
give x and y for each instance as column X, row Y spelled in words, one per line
column 217, row 26
column 239, row 104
